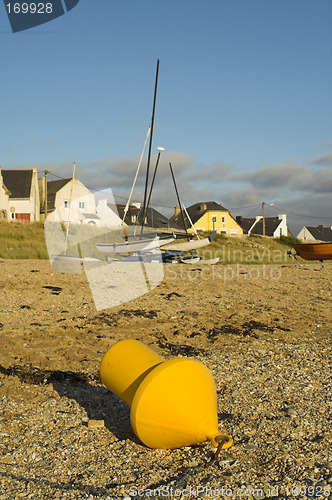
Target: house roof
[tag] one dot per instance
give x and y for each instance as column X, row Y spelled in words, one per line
column 245, row 223
column 52, row 188
column 271, row 224
column 197, row 211
column 320, row 232
column 18, row 182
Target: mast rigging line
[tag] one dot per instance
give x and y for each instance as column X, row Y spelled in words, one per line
column 139, row 164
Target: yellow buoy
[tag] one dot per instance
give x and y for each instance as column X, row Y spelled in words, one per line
column 173, row 403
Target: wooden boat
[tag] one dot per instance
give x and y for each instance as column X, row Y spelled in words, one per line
column 314, row 251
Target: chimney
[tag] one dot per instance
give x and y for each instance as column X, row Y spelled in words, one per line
column 320, row 228
column 239, row 219
column 177, row 210
column 202, row 207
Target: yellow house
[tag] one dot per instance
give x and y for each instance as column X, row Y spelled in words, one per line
column 208, row 216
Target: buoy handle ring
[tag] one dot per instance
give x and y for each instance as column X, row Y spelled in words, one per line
column 223, row 439
column 222, row 442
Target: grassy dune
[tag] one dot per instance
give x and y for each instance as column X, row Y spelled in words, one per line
column 22, row 241
column 27, row 241
column 249, row 250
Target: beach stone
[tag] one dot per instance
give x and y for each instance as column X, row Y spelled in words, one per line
column 96, row 424
column 249, row 447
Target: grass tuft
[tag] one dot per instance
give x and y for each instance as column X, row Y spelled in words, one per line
column 22, row 241
column 288, row 240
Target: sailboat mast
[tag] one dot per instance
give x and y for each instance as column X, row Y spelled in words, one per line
column 150, row 145
column 153, row 178
column 179, row 202
column 70, row 199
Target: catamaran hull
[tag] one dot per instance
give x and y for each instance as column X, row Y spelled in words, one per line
column 187, row 246
column 189, row 260
column 210, row 262
column 314, row 251
column 126, row 248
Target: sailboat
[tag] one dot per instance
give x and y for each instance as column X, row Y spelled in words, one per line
column 143, row 246
column 138, row 245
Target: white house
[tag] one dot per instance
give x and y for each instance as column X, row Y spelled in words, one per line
column 22, row 186
column 69, row 200
column 312, row 233
column 274, row 226
column 107, row 216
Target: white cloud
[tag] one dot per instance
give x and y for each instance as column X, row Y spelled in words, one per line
column 323, row 160
column 279, row 175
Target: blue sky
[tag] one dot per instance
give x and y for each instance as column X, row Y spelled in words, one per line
column 244, row 103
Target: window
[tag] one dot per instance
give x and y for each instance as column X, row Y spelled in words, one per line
column 214, row 220
column 66, row 204
column 223, row 219
column 133, row 219
column 223, row 231
column 81, row 204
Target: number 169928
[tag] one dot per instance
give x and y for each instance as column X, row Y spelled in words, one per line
column 29, row 8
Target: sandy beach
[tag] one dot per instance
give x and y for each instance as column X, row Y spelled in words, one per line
column 263, row 331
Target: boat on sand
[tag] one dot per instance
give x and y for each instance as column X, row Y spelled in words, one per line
column 314, row 251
